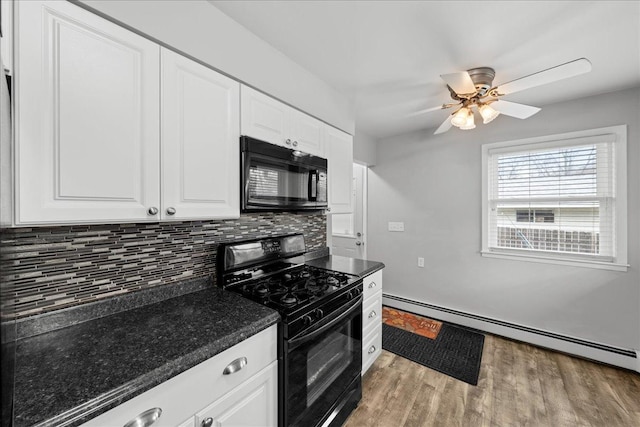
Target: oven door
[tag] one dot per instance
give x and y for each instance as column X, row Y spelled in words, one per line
column 320, row 365
column 277, row 178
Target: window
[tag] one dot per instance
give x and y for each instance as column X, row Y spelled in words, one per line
column 535, row 215
column 559, row 199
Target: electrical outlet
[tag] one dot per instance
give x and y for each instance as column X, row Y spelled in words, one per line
column 396, row 226
column 421, row 262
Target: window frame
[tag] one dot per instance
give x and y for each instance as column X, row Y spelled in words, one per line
column 617, row 263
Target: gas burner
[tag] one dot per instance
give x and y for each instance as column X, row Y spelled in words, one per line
column 333, row 281
column 317, row 289
column 261, row 290
column 288, row 299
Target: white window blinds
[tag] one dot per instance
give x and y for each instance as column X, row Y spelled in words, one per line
column 554, row 198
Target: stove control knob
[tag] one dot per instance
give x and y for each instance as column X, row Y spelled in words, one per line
column 307, row 320
column 319, row 313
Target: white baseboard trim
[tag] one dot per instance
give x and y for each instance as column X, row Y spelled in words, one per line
column 624, row 358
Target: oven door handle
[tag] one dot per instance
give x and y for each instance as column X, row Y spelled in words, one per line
column 303, row 338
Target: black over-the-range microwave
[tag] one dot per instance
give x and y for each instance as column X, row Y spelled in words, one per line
column 278, row 178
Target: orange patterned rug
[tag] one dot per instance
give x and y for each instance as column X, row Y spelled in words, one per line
column 410, row 322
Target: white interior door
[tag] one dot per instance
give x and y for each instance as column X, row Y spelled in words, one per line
column 348, row 230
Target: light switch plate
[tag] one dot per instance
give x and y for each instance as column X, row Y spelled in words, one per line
column 396, row 226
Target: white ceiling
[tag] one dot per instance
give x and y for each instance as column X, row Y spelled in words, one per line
column 387, row 56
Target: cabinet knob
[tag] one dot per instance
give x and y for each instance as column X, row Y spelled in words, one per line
column 152, row 211
column 235, row 366
column 171, row 211
column 372, row 349
column 372, row 314
column 145, row 419
column 358, row 243
column 372, row 285
column 207, row 422
column 295, row 143
column 328, row 209
column 287, row 141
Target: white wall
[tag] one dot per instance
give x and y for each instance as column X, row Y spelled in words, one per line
column 364, row 148
column 199, row 29
column 433, row 184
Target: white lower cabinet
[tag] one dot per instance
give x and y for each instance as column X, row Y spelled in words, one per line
column 252, row 404
column 371, row 319
column 245, row 397
column 371, row 348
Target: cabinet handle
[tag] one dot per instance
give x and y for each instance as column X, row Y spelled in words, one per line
column 207, row 422
column 372, row 349
column 146, row 418
column 372, row 285
column 372, row 314
column 235, row 366
column 171, row 211
column 152, row 211
column 287, row 141
column 295, row 143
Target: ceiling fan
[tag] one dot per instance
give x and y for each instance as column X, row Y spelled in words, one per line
column 474, row 89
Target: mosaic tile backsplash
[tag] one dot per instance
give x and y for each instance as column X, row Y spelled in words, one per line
column 43, row 269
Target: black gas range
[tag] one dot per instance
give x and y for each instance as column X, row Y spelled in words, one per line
column 320, row 336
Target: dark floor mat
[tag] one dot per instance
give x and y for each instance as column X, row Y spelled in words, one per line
column 455, row 352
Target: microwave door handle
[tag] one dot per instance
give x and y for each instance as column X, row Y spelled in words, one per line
column 313, row 185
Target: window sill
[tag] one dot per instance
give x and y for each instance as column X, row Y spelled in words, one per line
column 554, row 260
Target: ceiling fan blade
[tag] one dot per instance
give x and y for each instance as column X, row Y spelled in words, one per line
column 460, row 82
column 513, row 109
column 428, row 110
column 445, row 126
column 550, row 75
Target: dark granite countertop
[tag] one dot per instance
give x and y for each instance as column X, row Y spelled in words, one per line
column 359, row 267
column 67, row 376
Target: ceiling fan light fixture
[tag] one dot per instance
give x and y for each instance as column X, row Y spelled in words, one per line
column 488, row 113
column 460, row 117
column 469, row 123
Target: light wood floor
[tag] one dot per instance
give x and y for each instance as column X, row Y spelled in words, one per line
column 519, row 385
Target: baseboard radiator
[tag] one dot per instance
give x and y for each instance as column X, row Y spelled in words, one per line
column 624, row 358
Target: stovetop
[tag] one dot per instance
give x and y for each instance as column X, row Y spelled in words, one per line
column 287, row 287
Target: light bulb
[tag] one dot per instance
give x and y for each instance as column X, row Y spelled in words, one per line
column 460, row 117
column 469, row 122
column 487, row 113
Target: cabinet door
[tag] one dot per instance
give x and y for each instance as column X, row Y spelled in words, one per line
column 254, row 403
column 307, row 133
column 340, row 170
column 264, row 118
column 87, row 102
column 200, row 141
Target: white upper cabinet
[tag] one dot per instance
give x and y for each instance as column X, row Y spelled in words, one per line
column 200, row 141
column 87, row 104
column 263, row 117
column 339, row 146
column 270, row 120
column 110, row 130
column 307, row 133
